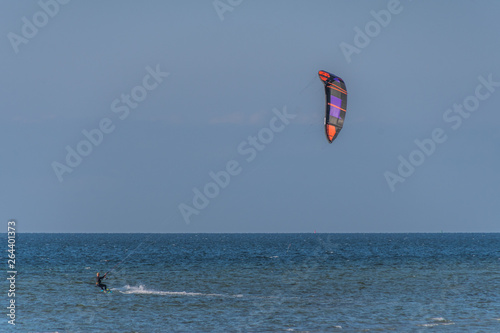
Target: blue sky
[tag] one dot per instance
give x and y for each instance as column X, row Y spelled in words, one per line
column 187, row 89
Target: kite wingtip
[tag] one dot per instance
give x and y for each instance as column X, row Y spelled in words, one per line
column 324, row 76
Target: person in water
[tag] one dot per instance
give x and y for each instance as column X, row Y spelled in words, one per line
column 99, row 283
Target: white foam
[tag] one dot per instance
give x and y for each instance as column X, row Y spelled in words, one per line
column 443, row 321
column 440, row 319
column 141, row 289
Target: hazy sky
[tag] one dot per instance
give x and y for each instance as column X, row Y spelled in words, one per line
column 116, row 116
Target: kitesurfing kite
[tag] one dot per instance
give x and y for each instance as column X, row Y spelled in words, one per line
column 336, row 104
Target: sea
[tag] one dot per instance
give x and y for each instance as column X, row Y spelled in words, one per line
column 309, row 282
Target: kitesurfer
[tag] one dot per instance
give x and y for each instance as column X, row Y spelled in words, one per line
column 99, row 283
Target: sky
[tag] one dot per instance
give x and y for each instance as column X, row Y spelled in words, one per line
column 207, row 116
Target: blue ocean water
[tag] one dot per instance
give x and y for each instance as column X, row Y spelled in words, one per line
column 257, row 283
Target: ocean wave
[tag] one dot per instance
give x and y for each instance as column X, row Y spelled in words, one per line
column 141, row 289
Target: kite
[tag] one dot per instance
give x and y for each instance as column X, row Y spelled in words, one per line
column 336, row 104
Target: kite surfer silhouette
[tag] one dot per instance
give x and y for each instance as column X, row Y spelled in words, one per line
column 99, row 283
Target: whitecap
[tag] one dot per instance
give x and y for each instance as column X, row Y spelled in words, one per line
column 440, row 319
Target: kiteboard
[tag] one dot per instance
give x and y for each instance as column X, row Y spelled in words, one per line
column 106, row 291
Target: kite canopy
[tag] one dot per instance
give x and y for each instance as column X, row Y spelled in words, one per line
column 336, row 104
